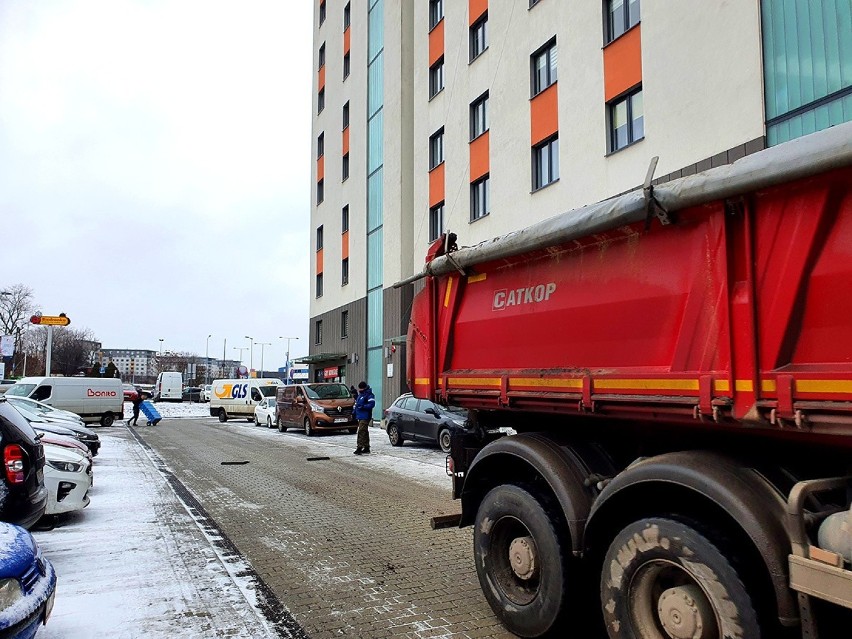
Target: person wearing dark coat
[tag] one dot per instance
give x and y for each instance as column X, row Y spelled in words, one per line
column 137, row 402
column 364, row 405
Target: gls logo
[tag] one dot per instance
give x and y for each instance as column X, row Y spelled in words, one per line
column 234, row 391
column 504, row 298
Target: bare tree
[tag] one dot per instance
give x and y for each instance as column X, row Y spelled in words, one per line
column 16, row 308
column 72, row 350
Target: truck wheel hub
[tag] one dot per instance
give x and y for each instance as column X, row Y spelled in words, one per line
column 685, row 613
column 522, row 557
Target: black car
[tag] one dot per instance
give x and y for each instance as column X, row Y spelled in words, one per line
column 24, row 495
column 419, row 419
column 192, row 394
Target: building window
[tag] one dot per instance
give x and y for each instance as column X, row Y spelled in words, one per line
column 480, row 200
column 320, row 145
column 621, row 15
column 436, row 148
column 626, row 120
column 321, row 100
column 545, row 163
column 544, row 67
column 347, row 10
column 436, row 221
column 479, row 116
column 318, row 332
column 344, row 271
column 436, row 12
column 345, row 168
column 321, row 11
column 321, row 56
column 436, row 78
column 344, row 324
column 319, row 237
column 319, row 284
column 347, row 65
column 346, row 115
column 344, row 219
column 478, row 37
column 320, row 191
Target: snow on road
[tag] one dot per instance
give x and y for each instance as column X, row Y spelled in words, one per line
column 138, row 563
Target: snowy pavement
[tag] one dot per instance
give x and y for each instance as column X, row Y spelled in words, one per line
column 137, row 562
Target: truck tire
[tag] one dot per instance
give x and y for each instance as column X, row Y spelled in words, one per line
column 107, row 419
column 522, row 562
column 281, row 426
column 444, row 439
column 661, row 578
column 394, row 435
column 309, row 431
column 223, row 416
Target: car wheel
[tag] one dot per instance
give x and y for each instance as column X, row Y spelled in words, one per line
column 394, row 435
column 444, row 439
column 108, row 419
column 281, row 426
column 223, row 416
column 309, row 430
column 256, row 423
column 269, row 422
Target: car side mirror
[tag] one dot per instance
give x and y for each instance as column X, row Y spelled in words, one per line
column 431, row 411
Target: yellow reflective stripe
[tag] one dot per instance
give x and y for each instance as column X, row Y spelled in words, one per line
column 768, row 386
column 744, row 385
column 421, row 381
column 824, row 386
column 538, row 382
column 473, row 381
column 647, row 384
column 447, row 294
column 476, row 278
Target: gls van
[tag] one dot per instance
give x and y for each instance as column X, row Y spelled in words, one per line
column 238, row 397
column 95, row 399
column 169, row 387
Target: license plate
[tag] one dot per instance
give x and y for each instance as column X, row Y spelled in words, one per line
column 341, row 420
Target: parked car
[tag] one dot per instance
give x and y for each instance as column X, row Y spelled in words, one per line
column 314, row 407
column 168, row 387
column 264, row 413
column 94, row 399
column 6, row 384
column 191, row 394
column 28, row 583
column 22, row 484
column 45, row 409
column 65, row 441
column 409, row 418
column 130, row 392
column 206, row 392
column 68, row 478
column 79, row 432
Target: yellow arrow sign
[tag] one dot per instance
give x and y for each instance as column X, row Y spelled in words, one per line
column 50, row 320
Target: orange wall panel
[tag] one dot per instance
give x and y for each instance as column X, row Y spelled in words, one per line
column 320, row 167
column 345, row 140
column 321, row 80
column 346, row 40
column 475, row 9
column 436, row 43
column 436, row 184
column 479, row 160
column 344, row 245
column 623, row 63
column 319, row 261
column 544, row 114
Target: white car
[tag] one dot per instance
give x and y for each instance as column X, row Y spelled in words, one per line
column 206, row 390
column 264, row 413
column 46, row 410
column 68, row 478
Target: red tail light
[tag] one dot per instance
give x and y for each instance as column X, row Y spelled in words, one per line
column 13, row 463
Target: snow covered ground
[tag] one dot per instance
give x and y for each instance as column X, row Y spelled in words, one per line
column 136, row 563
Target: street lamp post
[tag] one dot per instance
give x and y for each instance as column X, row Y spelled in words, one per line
column 262, row 344
column 161, row 347
column 251, row 352
column 207, row 361
column 287, row 360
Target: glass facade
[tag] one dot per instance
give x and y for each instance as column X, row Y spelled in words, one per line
column 807, row 66
column 375, row 199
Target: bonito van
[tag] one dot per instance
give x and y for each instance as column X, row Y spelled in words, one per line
column 238, row 397
column 94, row 399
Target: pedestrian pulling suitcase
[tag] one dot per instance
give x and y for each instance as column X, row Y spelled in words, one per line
column 151, row 413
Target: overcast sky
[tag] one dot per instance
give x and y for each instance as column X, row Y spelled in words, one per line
column 155, row 169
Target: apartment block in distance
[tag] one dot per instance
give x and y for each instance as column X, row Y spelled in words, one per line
column 479, row 118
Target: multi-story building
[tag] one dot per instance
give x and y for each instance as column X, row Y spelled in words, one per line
column 134, row 365
column 482, row 117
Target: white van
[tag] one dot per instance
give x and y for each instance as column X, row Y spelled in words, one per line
column 95, row 399
column 238, row 397
column 169, row 387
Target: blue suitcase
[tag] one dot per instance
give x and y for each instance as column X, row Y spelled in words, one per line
column 151, row 413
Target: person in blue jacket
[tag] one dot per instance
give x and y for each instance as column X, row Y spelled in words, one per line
column 364, row 404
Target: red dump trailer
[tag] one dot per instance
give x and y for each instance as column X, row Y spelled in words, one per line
column 660, row 395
